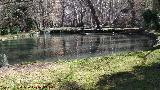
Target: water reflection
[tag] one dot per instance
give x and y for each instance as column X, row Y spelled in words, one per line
column 3, row 56
column 3, row 60
column 70, row 46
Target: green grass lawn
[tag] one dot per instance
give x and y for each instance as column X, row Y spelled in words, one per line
column 131, row 71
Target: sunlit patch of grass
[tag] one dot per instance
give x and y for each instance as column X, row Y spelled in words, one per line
column 79, row 74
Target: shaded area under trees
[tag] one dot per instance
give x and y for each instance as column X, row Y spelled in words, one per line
column 143, row 77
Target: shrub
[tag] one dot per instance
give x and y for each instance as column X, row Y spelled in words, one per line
column 15, row 30
column 151, row 19
column 4, row 31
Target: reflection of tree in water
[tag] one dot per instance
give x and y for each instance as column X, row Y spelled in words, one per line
column 50, row 47
column 67, row 46
column 17, row 51
column 95, row 45
column 78, row 45
column 3, row 56
column 64, row 46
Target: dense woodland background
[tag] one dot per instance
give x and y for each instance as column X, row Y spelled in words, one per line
column 26, row 15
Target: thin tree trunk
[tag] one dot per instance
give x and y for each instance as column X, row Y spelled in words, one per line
column 93, row 12
column 133, row 13
column 62, row 12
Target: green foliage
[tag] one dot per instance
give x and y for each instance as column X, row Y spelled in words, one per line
column 151, row 19
column 4, row 31
column 15, row 30
column 30, row 23
column 10, row 30
column 155, row 20
column 147, row 15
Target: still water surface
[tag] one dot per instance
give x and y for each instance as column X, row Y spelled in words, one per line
column 55, row 47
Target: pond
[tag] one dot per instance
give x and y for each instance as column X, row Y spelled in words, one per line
column 55, row 47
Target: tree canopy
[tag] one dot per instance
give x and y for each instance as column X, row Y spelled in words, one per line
column 73, row 13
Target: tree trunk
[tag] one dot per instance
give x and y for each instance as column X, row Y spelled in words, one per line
column 93, row 12
column 133, row 13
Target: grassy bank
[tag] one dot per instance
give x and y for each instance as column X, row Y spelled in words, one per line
column 122, row 72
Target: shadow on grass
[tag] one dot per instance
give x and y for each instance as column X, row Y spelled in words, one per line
column 142, row 78
column 152, row 50
column 71, row 86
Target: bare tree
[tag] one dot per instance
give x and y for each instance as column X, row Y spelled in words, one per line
column 93, row 12
column 133, row 13
column 49, row 13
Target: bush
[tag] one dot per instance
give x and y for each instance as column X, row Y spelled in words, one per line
column 15, row 30
column 4, row 31
column 31, row 24
column 11, row 30
column 151, row 19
